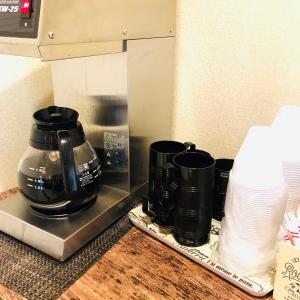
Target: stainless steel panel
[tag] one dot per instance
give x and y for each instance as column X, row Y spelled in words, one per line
column 61, row 237
column 97, row 88
column 150, row 99
column 20, row 47
column 64, row 51
column 127, row 94
column 106, row 20
column 79, row 28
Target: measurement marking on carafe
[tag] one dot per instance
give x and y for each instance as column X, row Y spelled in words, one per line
column 30, row 185
column 41, row 170
column 96, row 170
column 30, row 179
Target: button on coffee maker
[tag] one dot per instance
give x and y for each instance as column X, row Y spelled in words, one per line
column 60, row 172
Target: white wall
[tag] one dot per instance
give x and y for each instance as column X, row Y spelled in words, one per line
column 25, row 86
column 237, row 63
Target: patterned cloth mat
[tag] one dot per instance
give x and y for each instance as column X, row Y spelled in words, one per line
column 38, row 276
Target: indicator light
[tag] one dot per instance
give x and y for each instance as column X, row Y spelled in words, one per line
column 25, row 7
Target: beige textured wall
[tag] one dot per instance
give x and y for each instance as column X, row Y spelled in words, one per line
column 237, row 63
column 25, row 86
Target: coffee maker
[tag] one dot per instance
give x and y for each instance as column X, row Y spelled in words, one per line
column 113, row 62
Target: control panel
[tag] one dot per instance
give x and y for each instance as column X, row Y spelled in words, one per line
column 114, row 151
column 19, row 18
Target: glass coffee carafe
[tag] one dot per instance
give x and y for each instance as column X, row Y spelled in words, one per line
column 60, row 171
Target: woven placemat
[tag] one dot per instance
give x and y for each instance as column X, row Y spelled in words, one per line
column 38, row 276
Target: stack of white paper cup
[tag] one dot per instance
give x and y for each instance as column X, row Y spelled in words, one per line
column 255, row 205
column 284, row 127
column 257, row 163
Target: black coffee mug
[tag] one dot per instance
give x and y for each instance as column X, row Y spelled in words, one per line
column 160, row 203
column 193, row 174
column 223, row 167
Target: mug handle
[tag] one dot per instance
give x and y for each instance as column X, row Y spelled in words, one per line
column 145, row 204
column 191, row 147
column 146, row 209
column 169, row 181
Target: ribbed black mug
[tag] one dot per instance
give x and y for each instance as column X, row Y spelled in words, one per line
column 223, row 167
column 194, row 175
column 160, row 203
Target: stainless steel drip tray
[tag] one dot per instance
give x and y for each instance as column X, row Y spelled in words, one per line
column 61, row 237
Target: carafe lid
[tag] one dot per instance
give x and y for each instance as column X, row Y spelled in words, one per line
column 56, row 118
column 49, row 121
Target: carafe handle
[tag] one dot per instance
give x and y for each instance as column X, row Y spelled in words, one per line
column 67, row 161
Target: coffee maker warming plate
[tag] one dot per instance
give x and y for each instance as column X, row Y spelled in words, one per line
column 61, row 237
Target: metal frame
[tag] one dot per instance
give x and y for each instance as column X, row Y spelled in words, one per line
column 62, row 237
column 83, row 28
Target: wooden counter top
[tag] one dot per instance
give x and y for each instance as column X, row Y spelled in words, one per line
column 140, row 267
